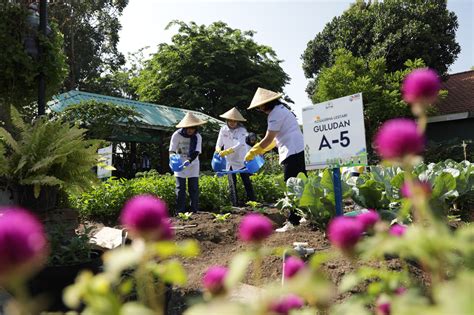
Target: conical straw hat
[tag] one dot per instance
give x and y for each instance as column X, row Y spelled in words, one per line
column 233, row 114
column 190, row 120
column 263, row 96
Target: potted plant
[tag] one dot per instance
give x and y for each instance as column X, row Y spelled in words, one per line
column 69, row 255
column 45, row 158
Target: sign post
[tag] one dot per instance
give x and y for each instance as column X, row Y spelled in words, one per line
column 334, row 136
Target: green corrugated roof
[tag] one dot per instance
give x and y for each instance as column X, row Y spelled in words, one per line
column 153, row 116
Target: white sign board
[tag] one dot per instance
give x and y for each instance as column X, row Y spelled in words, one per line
column 334, row 133
column 106, row 158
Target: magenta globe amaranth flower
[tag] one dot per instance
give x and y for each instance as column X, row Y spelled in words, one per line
column 397, row 230
column 400, row 290
column 383, row 308
column 421, row 86
column 213, row 279
column 398, row 138
column 368, row 219
column 284, row 305
column 344, row 233
column 255, row 228
column 23, row 244
column 292, row 266
column 146, row 216
column 421, row 189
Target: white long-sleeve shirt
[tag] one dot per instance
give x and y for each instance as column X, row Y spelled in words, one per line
column 235, row 139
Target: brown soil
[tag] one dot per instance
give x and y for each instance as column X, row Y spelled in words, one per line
column 219, row 243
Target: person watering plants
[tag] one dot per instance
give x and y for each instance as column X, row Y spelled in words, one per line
column 187, row 142
column 284, row 132
column 231, row 143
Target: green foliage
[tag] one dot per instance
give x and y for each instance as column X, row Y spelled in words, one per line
column 256, row 206
column 380, row 89
column 397, row 30
column 312, row 196
column 210, row 69
column 221, row 217
column 71, row 250
column 185, row 216
column 91, row 37
column 105, row 201
column 19, row 71
column 101, row 119
column 50, row 153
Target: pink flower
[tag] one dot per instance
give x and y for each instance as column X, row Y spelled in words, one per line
column 213, row 279
column 292, row 266
column 255, row 228
column 368, row 219
column 23, row 244
column 424, row 187
column 147, row 217
column 397, row 230
column 400, row 290
column 399, row 137
column 284, row 305
column 421, row 86
column 344, row 233
column 383, row 308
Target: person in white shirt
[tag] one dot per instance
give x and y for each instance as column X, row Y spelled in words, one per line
column 187, row 142
column 284, row 131
column 231, row 143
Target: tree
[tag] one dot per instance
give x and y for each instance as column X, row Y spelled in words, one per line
column 380, row 89
column 18, row 69
column 210, row 69
column 101, row 119
column 397, row 30
column 90, row 30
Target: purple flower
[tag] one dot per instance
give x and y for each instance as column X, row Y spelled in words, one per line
column 147, row 217
column 23, row 244
column 284, row 305
column 368, row 219
column 255, row 228
column 344, row 233
column 213, row 279
column 399, row 137
column 292, row 266
column 421, row 86
column 397, row 230
column 383, row 308
column 424, row 187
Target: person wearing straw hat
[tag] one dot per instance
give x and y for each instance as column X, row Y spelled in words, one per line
column 284, row 131
column 231, row 143
column 187, row 142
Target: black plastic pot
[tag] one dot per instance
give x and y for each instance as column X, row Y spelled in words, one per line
column 46, row 200
column 52, row 280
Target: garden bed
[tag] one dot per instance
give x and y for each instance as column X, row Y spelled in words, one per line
column 219, row 243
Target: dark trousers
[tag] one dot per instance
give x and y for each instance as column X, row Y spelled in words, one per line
column 233, row 187
column 193, row 189
column 292, row 166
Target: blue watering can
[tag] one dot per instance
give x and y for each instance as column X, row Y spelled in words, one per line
column 218, row 163
column 251, row 166
column 176, row 164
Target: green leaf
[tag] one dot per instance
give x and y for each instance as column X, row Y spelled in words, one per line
column 135, row 308
column 189, row 248
column 171, row 272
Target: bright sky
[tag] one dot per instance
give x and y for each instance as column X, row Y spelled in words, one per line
column 285, row 25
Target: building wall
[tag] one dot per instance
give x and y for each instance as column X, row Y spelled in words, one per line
column 448, row 130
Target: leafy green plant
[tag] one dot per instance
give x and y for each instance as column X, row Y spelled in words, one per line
column 185, row 216
column 49, row 153
column 221, row 217
column 256, row 206
column 68, row 250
